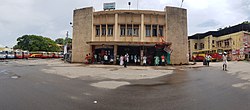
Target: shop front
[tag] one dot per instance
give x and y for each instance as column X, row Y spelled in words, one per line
column 138, row 53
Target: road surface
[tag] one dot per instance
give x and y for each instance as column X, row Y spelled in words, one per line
column 28, row 87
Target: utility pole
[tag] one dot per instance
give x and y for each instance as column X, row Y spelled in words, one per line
column 66, row 43
column 137, row 4
column 182, row 2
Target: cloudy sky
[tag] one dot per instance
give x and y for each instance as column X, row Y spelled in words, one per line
column 51, row 18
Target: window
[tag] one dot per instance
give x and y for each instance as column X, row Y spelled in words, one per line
column 110, row 30
column 97, row 28
column 212, row 41
column 148, row 30
column 136, row 30
column 129, row 30
column 195, row 46
column 161, row 31
column 122, row 30
column 154, row 30
column 226, row 42
column 103, row 30
column 201, row 46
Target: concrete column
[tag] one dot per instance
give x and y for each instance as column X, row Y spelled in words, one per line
column 116, row 27
column 82, row 33
column 176, row 22
column 141, row 55
column 142, row 28
column 115, row 53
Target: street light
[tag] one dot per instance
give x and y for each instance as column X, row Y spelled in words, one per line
column 129, row 3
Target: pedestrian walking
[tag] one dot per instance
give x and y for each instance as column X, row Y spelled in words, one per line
column 126, row 58
column 208, row 59
column 224, row 57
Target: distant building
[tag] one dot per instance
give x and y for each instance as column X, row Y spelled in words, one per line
column 136, row 32
column 234, row 40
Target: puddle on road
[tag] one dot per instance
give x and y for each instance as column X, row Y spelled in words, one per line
column 178, row 77
column 151, row 85
column 110, row 84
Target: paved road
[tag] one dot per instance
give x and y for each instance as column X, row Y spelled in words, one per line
column 193, row 89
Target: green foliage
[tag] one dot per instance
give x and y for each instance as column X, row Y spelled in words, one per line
column 36, row 43
column 246, row 22
column 62, row 41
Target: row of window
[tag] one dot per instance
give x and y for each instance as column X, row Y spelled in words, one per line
column 129, row 30
column 201, row 46
column 154, row 30
column 104, row 32
column 218, row 44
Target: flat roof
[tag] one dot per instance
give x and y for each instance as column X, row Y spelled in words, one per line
column 130, row 12
column 226, row 31
column 121, row 43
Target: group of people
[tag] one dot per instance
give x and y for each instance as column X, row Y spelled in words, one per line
column 224, row 58
column 145, row 60
column 125, row 59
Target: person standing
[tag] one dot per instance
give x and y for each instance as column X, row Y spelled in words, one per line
column 127, row 58
column 135, row 59
column 157, row 60
column 121, row 60
column 86, row 59
column 144, row 58
column 105, row 58
column 95, row 58
column 224, row 57
column 163, row 60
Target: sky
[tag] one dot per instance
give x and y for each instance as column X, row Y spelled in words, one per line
column 51, row 18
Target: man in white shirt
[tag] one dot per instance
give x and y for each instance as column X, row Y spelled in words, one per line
column 224, row 57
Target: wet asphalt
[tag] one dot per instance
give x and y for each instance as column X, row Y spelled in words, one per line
column 205, row 88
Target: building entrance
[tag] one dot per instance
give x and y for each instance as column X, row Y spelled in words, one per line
column 104, row 55
column 132, row 51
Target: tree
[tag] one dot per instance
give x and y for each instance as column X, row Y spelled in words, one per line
column 62, row 41
column 245, row 22
column 36, row 43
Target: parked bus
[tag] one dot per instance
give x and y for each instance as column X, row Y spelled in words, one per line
column 3, row 55
column 10, row 54
column 18, row 54
column 45, row 55
column 216, row 55
column 36, row 55
column 26, row 54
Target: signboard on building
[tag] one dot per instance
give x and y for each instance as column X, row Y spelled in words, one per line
column 246, row 43
column 109, row 6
